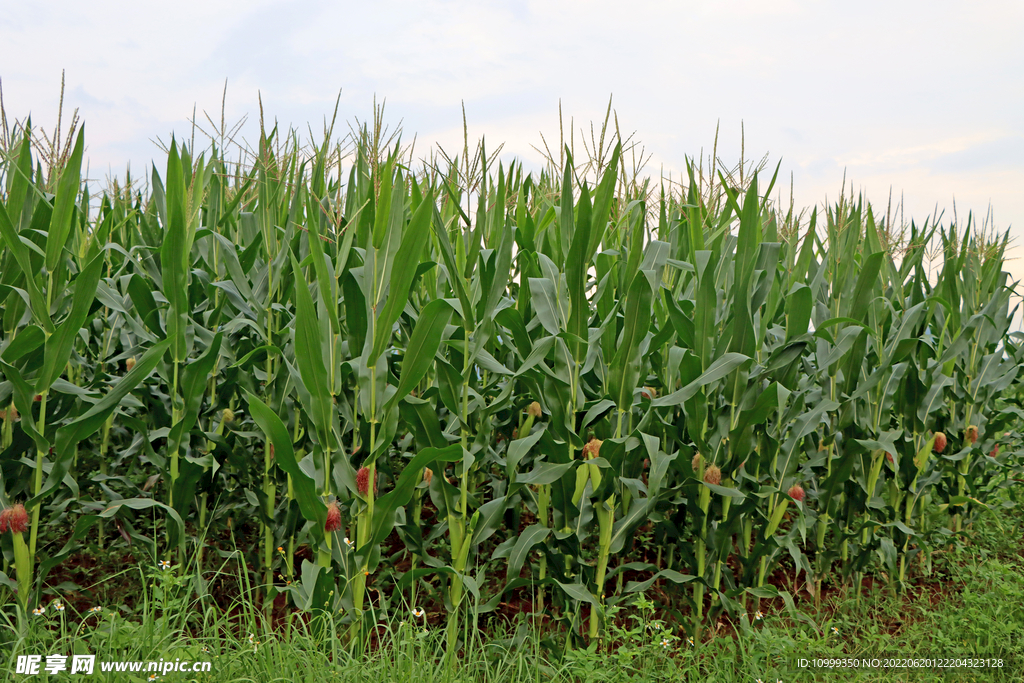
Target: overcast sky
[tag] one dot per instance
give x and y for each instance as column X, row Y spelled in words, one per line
column 923, row 98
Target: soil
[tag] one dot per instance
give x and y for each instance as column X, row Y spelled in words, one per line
column 79, row 582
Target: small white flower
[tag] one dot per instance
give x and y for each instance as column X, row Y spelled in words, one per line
column 690, row 641
column 349, row 543
column 835, row 631
column 38, row 611
column 95, row 610
column 759, row 616
column 58, row 605
column 418, row 612
column 165, row 564
column 152, row 677
column 665, row 643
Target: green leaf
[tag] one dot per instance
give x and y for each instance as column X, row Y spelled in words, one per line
column 410, row 577
column 61, row 342
column 454, row 276
column 23, row 401
column 89, row 422
column 576, row 266
column 542, row 473
column 596, row 411
column 638, row 513
column 867, row 286
column 935, row 395
column 576, row 592
column 491, row 516
column 747, row 241
column 193, row 386
column 356, row 319
column 178, row 537
column 719, row 369
column 704, row 311
column 309, row 346
column 540, row 351
column 145, row 304
column 13, row 239
column 518, row 449
column 603, row 198
column 799, row 303
column 64, row 204
column 671, row 575
column 323, row 278
column 19, row 176
column 423, row 344
column 725, row 491
column 315, row 590
column 625, row 368
column 261, row 351
column 385, row 506
column 502, row 266
column 310, row 504
column 528, row 538
column 421, row 417
column 768, row 401
column 29, row 339
column 413, row 239
column 545, row 302
column 174, row 257
column 383, row 208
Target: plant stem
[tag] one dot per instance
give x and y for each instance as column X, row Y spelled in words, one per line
column 457, row 530
column 543, row 505
column 698, row 586
column 23, row 565
column 104, row 448
column 37, row 484
column 605, row 511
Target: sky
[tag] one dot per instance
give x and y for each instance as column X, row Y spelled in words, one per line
column 920, row 100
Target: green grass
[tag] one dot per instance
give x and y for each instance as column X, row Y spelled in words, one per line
column 970, row 606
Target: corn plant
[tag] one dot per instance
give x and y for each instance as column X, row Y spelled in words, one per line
column 465, row 381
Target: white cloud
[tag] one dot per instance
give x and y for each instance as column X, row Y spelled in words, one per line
column 922, row 97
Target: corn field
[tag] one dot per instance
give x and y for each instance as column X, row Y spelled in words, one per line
column 449, row 386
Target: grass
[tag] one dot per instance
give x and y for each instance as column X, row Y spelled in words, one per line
column 970, row 606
